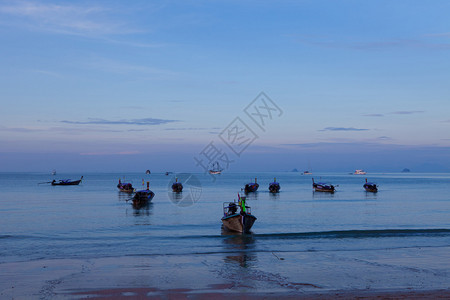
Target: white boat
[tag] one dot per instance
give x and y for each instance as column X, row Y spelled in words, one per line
column 216, row 169
column 360, row 172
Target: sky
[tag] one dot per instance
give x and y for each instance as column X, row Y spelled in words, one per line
column 107, row 86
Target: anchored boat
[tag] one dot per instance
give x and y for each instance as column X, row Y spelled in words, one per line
column 233, row 220
column 251, row 187
column 177, row 187
column 370, row 187
column 125, row 187
column 67, row 182
column 143, row 197
column 274, row 187
column 215, row 169
column 323, row 187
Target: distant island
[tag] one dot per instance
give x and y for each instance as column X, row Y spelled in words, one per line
column 294, row 170
column 406, row 170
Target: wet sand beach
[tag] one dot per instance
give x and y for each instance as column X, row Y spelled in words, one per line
column 400, row 274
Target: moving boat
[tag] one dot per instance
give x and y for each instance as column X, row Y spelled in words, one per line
column 125, row 187
column 67, row 182
column 274, row 187
column 323, row 187
column 177, row 187
column 251, row 187
column 143, row 197
column 360, row 172
column 216, row 169
column 233, row 220
column 370, row 187
column 147, row 172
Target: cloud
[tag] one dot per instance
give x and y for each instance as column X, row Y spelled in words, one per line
column 384, row 138
column 373, row 115
column 343, row 129
column 145, row 121
column 86, row 20
column 407, row 112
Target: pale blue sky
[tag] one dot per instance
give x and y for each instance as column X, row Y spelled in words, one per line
column 127, row 85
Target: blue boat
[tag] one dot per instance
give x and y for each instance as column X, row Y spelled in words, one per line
column 323, row 187
column 274, row 187
column 370, row 187
column 251, row 187
column 143, row 197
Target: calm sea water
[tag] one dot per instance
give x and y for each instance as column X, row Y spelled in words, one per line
column 94, row 220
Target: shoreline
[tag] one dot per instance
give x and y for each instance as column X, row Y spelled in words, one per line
column 220, row 292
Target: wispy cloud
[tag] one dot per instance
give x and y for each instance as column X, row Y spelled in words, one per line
column 384, row 138
column 407, row 112
column 373, row 115
column 145, row 121
column 64, row 18
column 342, row 129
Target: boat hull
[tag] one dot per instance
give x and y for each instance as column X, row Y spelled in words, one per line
column 274, row 188
column 142, row 198
column 75, row 182
column 371, row 188
column 251, row 187
column 323, row 188
column 239, row 222
column 177, row 187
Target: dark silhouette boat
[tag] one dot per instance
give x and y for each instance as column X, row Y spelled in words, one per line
column 370, row 187
column 323, row 187
column 125, row 187
column 143, row 197
column 215, row 169
column 177, row 187
column 67, row 182
column 251, row 187
column 233, row 220
column 274, row 187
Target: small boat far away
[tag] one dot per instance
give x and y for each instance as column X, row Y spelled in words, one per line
column 125, row 187
column 233, row 220
column 143, row 197
column 215, row 169
column 147, row 172
column 177, row 187
column 67, row 182
column 360, row 172
column 323, row 187
column 274, row 187
column 54, row 172
column 251, row 187
column 370, row 187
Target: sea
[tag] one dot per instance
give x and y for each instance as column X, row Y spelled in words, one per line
column 398, row 238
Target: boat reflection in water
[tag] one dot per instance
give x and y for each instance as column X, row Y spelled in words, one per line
column 241, row 247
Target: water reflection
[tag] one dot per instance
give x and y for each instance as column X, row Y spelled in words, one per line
column 240, row 246
column 274, row 196
column 142, row 210
column 252, row 196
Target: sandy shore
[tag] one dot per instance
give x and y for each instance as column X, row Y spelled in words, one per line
column 221, row 293
column 400, row 274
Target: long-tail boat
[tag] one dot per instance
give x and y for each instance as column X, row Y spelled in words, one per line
column 67, row 182
column 251, row 187
column 233, row 220
column 125, row 187
column 177, row 187
column 143, row 197
column 370, row 187
column 323, row 187
column 274, row 187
